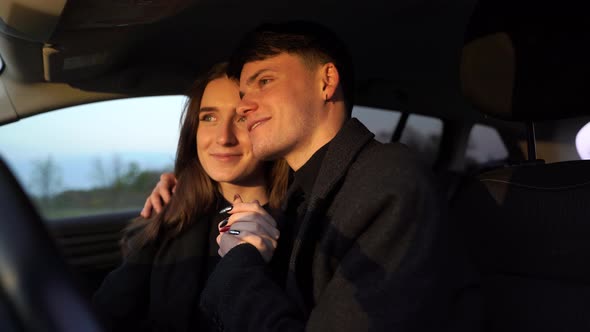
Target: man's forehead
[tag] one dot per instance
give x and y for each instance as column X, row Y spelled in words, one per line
column 275, row 62
column 257, row 64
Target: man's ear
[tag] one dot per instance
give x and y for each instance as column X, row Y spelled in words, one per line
column 330, row 80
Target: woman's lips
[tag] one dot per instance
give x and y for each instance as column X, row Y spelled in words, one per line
column 226, row 156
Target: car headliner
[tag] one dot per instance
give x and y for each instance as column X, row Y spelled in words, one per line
column 406, row 53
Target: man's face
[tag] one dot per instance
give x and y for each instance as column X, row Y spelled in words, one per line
column 282, row 101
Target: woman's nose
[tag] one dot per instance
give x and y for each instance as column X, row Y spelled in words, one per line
column 226, row 134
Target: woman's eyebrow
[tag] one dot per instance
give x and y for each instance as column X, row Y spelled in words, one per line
column 207, row 109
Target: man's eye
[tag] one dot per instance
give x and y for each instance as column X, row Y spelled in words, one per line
column 207, row 118
column 241, row 119
column 264, row 81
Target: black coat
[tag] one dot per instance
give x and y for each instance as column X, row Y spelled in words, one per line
column 157, row 288
column 371, row 253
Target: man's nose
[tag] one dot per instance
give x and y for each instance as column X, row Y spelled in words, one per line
column 226, row 134
column 246, row 106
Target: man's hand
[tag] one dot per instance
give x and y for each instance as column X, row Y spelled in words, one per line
column 160, row 196
column 249, row 223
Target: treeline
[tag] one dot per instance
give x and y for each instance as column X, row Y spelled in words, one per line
column 118, row 187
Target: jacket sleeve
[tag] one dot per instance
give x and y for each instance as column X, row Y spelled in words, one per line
column 241, row 295
column 391, row 275
column 387, row 276
column 121, row 301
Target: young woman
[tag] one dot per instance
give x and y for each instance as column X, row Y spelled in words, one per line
column 169, row 256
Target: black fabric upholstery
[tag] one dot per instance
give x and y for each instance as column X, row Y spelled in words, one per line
column 528, row 230
column 516, row 303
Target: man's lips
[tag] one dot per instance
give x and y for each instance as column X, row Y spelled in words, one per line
column 252, row 125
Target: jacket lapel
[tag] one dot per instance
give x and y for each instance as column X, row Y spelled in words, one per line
column 341, row 153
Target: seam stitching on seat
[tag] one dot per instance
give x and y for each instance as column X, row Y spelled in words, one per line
column 534, row 187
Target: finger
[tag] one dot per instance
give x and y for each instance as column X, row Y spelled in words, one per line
column 166, row 186
column 165, row 193
column 253, row 208
column 146, row 212
column 168, row 177
column 261, row 229
column 265, row 245
column 265, row 220
column 156, row 202
column 227, row 242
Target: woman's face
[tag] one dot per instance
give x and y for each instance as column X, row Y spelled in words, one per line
column 223, row 145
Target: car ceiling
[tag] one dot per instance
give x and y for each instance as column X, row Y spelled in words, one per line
column 63, row 53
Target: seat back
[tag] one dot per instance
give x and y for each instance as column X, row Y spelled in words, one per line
column 528, row 226
column 528, row 229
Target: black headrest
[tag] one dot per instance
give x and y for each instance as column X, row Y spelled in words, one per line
column 527, row 61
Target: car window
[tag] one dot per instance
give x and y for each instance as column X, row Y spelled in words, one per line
column 95, row 158
column 379, row 121
column 485, row 147
column 423, row 133
column 583, row 141
column 561, row 140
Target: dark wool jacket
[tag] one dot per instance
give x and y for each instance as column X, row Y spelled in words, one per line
column 370, row 254
column 157, row 288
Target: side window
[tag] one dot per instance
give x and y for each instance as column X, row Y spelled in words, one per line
column 583, row 142
column 96, row 158
column 381, row 122
column 561, row 140
column 423, row 134
column 484, row 147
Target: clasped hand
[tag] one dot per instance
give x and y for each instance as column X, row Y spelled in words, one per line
column 249, row 223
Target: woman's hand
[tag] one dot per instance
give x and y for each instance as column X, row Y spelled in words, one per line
column 249, row 223
column 160, row 196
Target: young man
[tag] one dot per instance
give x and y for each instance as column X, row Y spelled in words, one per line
column 362, row 245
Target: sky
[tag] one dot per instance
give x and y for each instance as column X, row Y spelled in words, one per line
column 101, row 127
column 144, row 130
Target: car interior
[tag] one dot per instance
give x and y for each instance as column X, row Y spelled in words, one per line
column 518, row 69
column 526, row 222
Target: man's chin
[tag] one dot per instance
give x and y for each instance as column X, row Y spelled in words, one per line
column 266, row 153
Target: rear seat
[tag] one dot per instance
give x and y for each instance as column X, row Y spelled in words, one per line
column 527, row 226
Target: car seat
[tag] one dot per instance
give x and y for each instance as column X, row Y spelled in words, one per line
column 527, row 226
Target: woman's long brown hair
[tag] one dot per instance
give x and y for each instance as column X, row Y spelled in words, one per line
column 195, row 194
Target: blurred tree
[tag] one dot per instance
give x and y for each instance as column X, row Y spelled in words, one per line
column 46, row 178
column 99, row 174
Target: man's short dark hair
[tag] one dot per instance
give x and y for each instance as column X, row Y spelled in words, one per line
column 314, row 43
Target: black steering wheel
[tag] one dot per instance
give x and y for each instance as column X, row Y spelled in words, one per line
column 37, row 293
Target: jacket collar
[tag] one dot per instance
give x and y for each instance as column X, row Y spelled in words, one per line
column 341, row 153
